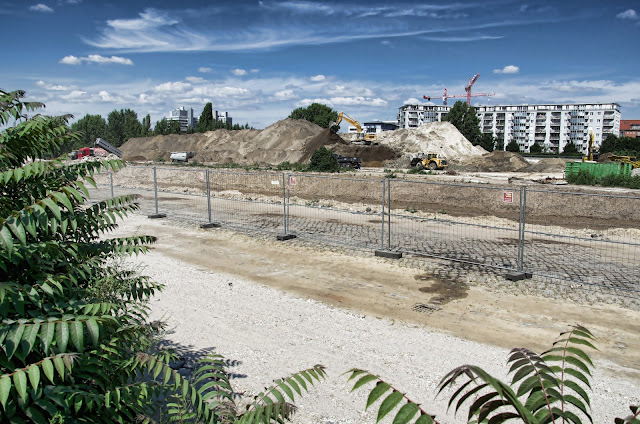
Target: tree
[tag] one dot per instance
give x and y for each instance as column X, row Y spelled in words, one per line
column 570, row 148
column 75, row 344
column 146, row 126
column 90, row 127
column 323, row 160
column 317, row 113
column 513, row 146
column 122, row 125
column 500, row 141
column 166, row 127
column 205, row 123
column 466, row 120
column 535, row 148
column 487, row 142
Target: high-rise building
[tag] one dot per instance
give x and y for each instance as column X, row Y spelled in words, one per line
column 222, row 117
column 185, row 117
column 552, row 126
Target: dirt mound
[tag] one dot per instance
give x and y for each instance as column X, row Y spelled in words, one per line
column 325, row 138
column 547, row 165
column 435, row 137
column 496, row 161
column 371, row 155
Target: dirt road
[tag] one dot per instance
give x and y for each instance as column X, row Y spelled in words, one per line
column 358, row 281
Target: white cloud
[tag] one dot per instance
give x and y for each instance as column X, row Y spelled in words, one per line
column 95, row 58
column 412, row 101
column 74, row 95
column 284, row 95
column 239, row 72
column 196, row 79
column 318, row 78
column 254, row 71
column 628, row 14
column 173, row 87
column 50, row 87
column 105, row 96
column 358, row 100
column 509, row 69
column 205, row 70
column 41, row 8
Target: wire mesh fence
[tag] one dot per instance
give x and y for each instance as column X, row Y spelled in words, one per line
column 583, row 238
column 443, row 220
column 335, row 209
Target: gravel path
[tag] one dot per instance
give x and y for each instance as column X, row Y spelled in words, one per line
column 267, row 334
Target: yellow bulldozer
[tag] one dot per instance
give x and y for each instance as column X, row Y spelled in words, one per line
column 429, row 161
column 635, row 163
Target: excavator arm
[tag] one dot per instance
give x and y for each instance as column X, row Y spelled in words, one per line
column 347, row 118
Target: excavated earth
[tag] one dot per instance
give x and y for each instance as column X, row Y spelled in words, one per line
column 295, row 140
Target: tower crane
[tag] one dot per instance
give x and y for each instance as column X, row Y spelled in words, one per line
column 468, row 94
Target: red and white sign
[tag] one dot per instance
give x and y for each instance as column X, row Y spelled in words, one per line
column 507, row 197
column 292, row 181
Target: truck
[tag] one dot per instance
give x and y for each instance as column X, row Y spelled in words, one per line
column 348, row 161
column 81, row 153
column 429, row 161
column 107, row 146
column 181, row 156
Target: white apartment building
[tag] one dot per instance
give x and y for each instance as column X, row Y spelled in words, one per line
column 412, row 116
column 185, row 117
column 552, row 126
column 222, row 117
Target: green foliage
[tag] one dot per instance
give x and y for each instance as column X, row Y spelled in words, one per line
column 500, row 141
column 550, row 387
column 570, row 148
column 122, row 125
column 629, row 146
column 513, row 147
column 72, row 318
column 166, row 127
column 535, row 148
column 323, row 160
column 295, row 166
column 317, row 113
column 466, row 120
column 205, row 123
column 209, row 396
column 586, row 178
column 90, row 127
column 487, row 142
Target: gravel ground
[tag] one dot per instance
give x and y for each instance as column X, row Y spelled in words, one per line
column 267, row 334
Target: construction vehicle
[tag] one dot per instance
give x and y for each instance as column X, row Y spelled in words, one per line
column 181, row 156
column 81, row 153
column 429, row 161
column 362, row 136
column 633, row 160
column 348, row 161
column 589, row 157
column 107, row 146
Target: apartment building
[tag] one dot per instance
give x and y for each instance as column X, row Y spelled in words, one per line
column 412, row 116
column 375, row 127
column 630, row 128
column 552, row 126
column 185, row 117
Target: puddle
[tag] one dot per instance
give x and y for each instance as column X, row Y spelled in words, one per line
column 443, row 290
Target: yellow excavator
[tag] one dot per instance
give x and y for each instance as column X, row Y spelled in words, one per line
column 366, row 138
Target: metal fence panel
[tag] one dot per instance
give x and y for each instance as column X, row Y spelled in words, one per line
column 336, row 210
column 182, row 193
column 248, row 200
column 596, row 245
column 466, row 223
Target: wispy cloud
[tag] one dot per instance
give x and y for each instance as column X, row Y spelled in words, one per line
column 509, row 69
column 317, row 78
column 205, row 70
column 239, row 72
column 54, row 87
column 628, row 14
column 41, row 8
column 155, row 30
column 95, row 58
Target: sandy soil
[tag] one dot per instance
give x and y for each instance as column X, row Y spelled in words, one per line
column 227, row 291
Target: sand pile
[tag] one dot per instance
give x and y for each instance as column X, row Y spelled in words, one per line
column 496, row 161
column 292, row 140
column 435, row 137
column 547, row 165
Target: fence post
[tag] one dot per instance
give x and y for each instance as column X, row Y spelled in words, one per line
column 155, row 196
column 208, row 197
column 111, row 182
column 209, row 223
column 285, row 235
column 389, row 214
column 519, row 274
column 382, row 228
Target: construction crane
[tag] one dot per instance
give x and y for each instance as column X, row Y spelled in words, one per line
column 468, row 94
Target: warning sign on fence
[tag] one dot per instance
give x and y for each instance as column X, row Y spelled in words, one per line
column 507, row 197
column 292, row 181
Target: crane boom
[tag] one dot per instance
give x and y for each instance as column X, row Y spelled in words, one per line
column 467, row 94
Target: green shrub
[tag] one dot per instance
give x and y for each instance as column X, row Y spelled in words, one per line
column 513, row 147
column 322, row 160
column 544, row 388
column 585, row 178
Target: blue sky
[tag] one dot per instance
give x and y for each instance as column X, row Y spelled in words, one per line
column 259, row 60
